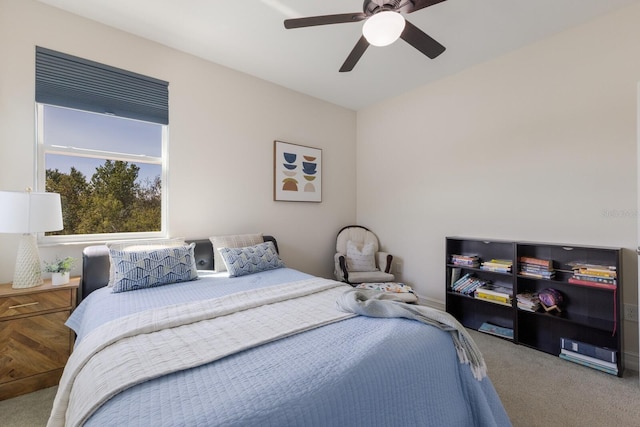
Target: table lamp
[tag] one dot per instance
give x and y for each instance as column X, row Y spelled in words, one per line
column 29, row 212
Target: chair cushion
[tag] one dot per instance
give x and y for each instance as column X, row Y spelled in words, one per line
column 360, row 257
column 370, row 276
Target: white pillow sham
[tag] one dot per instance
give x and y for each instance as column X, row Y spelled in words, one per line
column 360, row 257
column 231, row 241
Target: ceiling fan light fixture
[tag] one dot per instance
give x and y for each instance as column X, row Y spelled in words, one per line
column 383, row 28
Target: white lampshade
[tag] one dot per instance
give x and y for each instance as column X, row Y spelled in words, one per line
column 29, row 212
column 383, row 28
column 26, row 213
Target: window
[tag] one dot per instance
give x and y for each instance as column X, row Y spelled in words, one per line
column 102, row 135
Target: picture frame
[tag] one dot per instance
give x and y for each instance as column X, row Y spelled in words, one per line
column 297, row 173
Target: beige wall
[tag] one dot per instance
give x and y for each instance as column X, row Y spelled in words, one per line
column 539, row 144
column 222, row 127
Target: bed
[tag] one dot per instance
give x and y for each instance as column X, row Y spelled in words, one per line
column 343, row 370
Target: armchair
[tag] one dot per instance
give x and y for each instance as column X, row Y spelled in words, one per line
column 358, row 259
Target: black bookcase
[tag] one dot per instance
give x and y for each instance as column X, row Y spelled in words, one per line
column 588, row 314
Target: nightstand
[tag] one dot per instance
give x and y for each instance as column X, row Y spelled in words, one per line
column 34, row 342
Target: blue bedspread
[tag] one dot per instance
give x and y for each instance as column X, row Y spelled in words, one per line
column 358, row 372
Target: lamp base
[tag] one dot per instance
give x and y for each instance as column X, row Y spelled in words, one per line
column 28, row 269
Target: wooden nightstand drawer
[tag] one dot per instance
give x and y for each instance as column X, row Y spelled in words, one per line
column 34, row 341
column 33, row 345
column 34, row 303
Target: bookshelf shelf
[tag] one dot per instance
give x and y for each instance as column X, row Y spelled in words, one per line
column 580, row 320
column 588, row 313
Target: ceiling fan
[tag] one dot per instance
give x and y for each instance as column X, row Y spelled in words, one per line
column 383, row 25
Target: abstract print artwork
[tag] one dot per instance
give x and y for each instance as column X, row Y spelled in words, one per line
column 297, row 173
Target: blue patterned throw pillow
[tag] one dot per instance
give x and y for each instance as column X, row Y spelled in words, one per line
column 145, row 269
column 251, row 259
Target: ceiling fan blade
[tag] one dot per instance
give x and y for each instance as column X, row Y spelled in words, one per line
column 355, row 55
column 421, row 41
column 323, row 20
column 420, row 4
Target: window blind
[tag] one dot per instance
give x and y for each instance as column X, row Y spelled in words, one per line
column 69, row 81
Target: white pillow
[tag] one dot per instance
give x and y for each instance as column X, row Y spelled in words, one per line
column 231, row 241
column 139, row 245
column 360, row 258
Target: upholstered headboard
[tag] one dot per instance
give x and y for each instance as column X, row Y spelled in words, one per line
column 95, row 264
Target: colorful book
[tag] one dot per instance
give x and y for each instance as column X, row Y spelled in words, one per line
column 588, row 278
column 474, row 284
column 537, row 261
column 458, row 283
column 550, row 275
column 493, row 298
column 500, row 265
column 465, row 260
column 591, row 283
column 493, row 289
column 589, row 359
column 528, row 301
column 467, row 284
column 496, row 330
column 602, row 353
column 495, row 269
column 597, row 366
column 535, row 268
column 597, row 272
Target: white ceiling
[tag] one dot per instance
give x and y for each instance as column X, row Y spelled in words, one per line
column 249, row 36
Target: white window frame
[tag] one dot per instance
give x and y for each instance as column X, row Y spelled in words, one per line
column 42, row 149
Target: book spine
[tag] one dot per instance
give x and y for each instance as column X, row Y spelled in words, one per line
column 535, row 268
column 589, row 359
column 595, row 279
column 472, row 285
column 594, row 272
column 501, row 261
column 536, row 275
column 496, row 269
column 589, row 365
column 465, row 285
column 458, row 283
column 590, row 283
column 505, row 294
column 544, row 262
column 590, row 350
column 465, row 261
column 482, row 294
column 496, row 330
column 493, row 298
column 466, row 264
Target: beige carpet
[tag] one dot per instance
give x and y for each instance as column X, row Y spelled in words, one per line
column 536, row 389
column 28, row 410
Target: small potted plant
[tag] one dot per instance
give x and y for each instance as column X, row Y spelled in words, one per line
column 59, row 270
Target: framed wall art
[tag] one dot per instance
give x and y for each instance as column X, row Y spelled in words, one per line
column 297, row 173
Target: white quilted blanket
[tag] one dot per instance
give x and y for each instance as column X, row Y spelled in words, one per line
column 116, row 355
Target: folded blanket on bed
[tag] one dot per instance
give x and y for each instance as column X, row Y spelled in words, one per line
column 117, row 355
column 380, row 304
